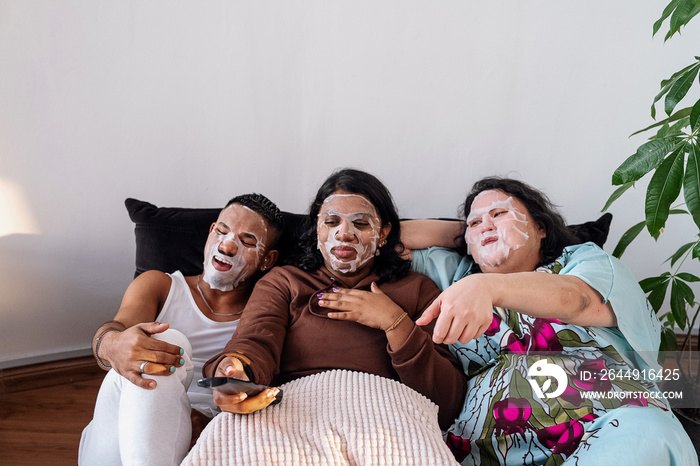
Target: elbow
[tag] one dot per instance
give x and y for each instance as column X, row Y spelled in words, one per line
column 574, row 299
column 585, row 306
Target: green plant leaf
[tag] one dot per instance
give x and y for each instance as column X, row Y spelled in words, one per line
column 668, row 340
column 650, row 283
column 647, row 157
column 627, row 238
column 680, row 88
column 691, row 183
column 666, row 85
column 685, row 112
column 680, row 17
column 666, row 13
column 678, row 254
column 663, row 189
column 696, row 251
column 694, row 116
column 657, row 295
column 618, row 192
column 685, row 291
column 688, row 277
column 678, row 300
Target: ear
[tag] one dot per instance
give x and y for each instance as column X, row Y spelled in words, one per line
column 269, row 260
column 384, row 232
column 541, row 233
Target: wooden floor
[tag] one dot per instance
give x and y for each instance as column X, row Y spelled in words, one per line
column 42, row 426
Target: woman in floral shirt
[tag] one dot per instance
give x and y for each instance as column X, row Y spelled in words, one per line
column 558, row 342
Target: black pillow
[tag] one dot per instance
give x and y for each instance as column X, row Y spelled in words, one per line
column 173, row 238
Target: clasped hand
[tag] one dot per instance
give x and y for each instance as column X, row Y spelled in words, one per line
column 464, row 311
column 370, row 308
column 129, row 349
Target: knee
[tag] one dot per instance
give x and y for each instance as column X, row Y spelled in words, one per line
column 184, row 373
column 175, row 337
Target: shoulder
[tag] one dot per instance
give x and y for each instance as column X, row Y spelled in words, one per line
column 284, row 272
column 153, row 280
column 285, row 277
column 579, row 253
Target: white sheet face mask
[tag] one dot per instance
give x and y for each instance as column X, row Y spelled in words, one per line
column 499, row 228
column 241, row 264
column 350, row 223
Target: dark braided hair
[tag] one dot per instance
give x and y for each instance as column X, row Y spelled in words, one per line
column 265, row 208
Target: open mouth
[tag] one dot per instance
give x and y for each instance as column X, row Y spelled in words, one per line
column 344, row 253
column 221, row 264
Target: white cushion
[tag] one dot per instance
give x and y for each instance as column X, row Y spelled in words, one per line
column 334, row 417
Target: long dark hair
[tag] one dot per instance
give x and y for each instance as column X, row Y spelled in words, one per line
column 388, row 264
column 541, row 209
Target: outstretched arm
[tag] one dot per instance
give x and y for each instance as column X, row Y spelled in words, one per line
column 125, row 343
column 464, row 310
column 425, row 233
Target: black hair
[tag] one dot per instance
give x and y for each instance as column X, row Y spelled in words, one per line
column 540, row 208
column 267, row 209
column 388, row 264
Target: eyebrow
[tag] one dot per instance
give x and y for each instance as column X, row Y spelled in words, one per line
column 356, row 214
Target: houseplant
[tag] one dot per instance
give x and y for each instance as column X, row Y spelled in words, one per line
column 672, row 156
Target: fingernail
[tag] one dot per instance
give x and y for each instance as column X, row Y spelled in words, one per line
column 182, row 361
column 374, row 283
column 335, row 288
column 182, row 350
column 321, row 302
column 320, row 295
column 172, row 368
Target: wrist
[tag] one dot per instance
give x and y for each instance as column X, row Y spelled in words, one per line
column 396, row 322
column 243, row 365
column 98, row 348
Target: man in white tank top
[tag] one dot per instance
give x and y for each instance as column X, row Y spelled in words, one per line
column 167, row 327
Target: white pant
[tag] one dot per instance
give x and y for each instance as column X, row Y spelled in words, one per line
column 132, row 425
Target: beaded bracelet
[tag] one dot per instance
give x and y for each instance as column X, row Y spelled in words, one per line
column 98, row 340
column 396, row 323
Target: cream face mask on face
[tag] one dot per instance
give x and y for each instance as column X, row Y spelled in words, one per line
column 339, row 220
column 234, row 269
column 496, row 229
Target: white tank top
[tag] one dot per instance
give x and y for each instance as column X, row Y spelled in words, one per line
column 206, row 336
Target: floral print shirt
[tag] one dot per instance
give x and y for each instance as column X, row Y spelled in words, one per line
column 530, row 378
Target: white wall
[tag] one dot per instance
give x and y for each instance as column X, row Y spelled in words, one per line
column 188, row 103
